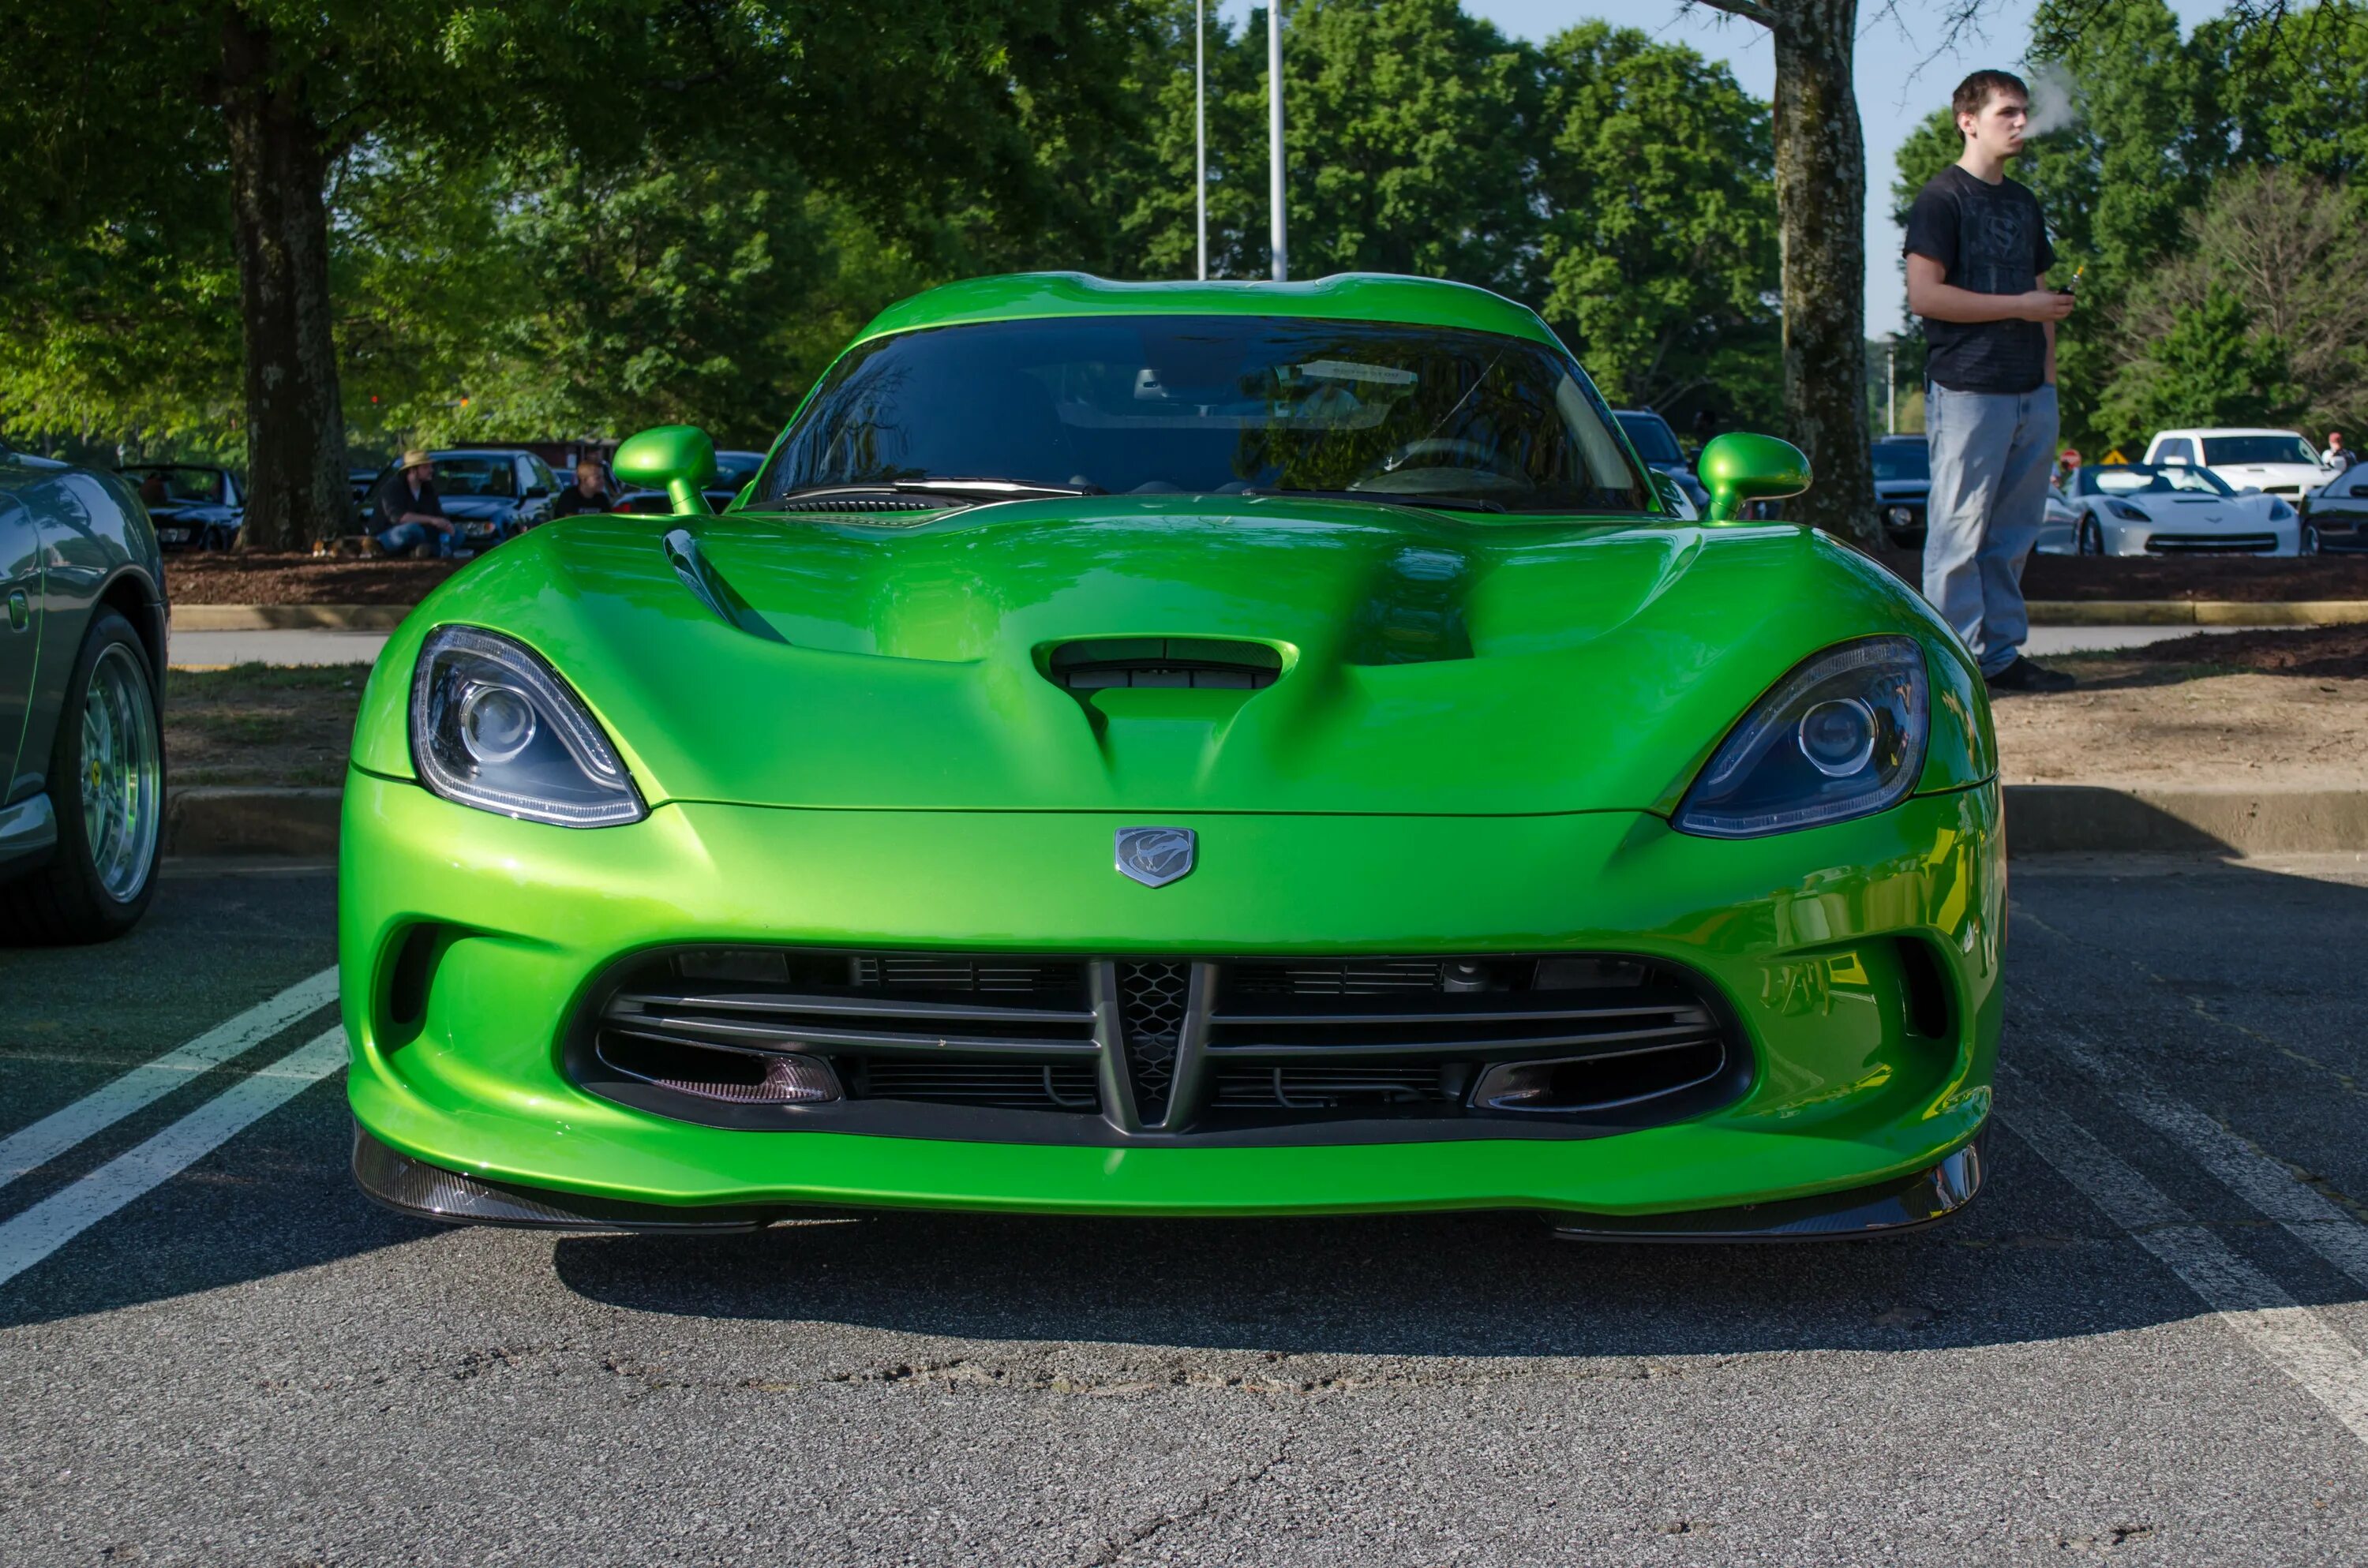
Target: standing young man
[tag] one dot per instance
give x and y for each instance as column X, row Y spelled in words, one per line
column 2337, row 456
column 1976, row 248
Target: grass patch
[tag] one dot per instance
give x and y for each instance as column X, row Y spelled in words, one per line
column 275, row 724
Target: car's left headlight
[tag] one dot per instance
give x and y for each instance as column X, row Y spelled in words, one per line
column 2278, row 510
column 494, row 727
column 1841, row 736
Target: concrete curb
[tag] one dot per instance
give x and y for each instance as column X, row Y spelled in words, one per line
column 2197, row 613
column 222, row 820
column 2091, row 819
column 287, row 618
column 2042, row 819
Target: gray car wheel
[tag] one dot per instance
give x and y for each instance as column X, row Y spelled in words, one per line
column 107, row 783
column 2091, row 538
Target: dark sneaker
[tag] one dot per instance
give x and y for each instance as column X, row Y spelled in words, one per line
column 2024, row 675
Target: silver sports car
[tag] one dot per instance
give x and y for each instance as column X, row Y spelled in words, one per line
column 81, row 750
column 2145, row 509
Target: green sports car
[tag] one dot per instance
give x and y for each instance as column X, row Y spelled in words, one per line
column 1178, row 749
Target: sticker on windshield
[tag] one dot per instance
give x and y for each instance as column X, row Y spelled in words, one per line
column 1350, row 370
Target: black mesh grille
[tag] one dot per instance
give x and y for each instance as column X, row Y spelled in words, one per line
column 1151, row 1012
column 1086, row 1050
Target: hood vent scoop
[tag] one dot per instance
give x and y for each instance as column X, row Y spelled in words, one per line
column 1193, row 662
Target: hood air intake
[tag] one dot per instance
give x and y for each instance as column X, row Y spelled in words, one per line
column 1196, row 662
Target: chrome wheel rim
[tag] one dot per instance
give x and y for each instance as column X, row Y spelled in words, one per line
column 122, row 774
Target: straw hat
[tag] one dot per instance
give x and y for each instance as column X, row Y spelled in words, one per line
column 416, row 459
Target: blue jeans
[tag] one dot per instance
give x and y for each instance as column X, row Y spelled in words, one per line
column 1991, row 455
column 402, row 538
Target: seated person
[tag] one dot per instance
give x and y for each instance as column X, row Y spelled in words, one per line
column 410, row 512
column 152, row 490
column 588, row 493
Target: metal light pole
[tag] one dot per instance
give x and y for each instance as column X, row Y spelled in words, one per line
column 1200, row 127
column 1891, row 385
column 1274, row 130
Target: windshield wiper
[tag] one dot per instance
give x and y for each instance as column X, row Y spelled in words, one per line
column 1391, row 498
column 979, row 490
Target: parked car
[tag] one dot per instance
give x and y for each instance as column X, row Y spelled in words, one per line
column 2337, row 511
column 1657, row 445
column 2276, row 462
column 194, row 506
column 2059, row 530
column 2176, row 509
column 1903, row 478
column 82, row 749
column 491, row 493
column 733, row 470
column 1178, row 749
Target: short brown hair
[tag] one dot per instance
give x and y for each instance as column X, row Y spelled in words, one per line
column 1973, row 93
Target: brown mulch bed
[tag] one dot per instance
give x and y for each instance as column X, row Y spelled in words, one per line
column 2325, row 653
column 230, row 578
column 235, row 579
column 2244, row 579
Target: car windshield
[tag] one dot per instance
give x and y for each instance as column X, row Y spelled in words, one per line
column 1149, row 405
column 2145, row 478
column 1902, row 459
column 1649, row 434
column 182, row 485
column 2258, row 449
column 476, row 476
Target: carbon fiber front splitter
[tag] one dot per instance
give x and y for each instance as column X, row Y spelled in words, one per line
column 1860, row 1213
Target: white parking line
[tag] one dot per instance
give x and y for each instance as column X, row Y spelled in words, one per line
column 2259, row 1179
column 2287, row 1335
column 56, row 1220
column 30, row 1148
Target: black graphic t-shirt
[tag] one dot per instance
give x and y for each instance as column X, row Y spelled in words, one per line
column 1992, row 240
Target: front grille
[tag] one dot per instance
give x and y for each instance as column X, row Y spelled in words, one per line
column 1115, row 1051
column 2210, row 544
column 1151, row 1021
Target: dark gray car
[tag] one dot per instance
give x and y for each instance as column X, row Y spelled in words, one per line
column 81, row 745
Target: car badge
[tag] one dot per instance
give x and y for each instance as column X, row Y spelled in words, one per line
column 1155, row 855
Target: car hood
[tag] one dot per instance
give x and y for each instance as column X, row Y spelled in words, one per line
column 478, row 508
column 2310, row 476
column 2198, row 511
column 1432, row 666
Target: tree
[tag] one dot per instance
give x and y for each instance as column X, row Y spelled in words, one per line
column 1820, row 169
column 262, row 101
column 2255, row 319
column 2139, row 152
column 1658, row 222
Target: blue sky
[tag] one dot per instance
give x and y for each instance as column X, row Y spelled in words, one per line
column 1899, row 81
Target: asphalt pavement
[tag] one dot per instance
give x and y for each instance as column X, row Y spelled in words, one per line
column 2146, row 1342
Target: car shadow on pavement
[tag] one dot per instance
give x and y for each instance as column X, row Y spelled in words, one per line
column 2027, row 1262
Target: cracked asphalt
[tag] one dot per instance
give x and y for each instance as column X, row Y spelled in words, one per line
column 247, row 1364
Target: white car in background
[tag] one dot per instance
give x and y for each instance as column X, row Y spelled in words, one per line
column 2276, row 462
column 2059, row 533
column 2173, row 509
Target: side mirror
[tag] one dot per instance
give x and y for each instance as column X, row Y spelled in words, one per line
column 534, row 493
column 1740, row 467
column 677, row 458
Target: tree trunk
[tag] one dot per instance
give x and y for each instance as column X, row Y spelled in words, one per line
column 1821, row 207
column 296, row 488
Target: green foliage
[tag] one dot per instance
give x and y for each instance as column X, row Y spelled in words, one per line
column 1659, row 243
column 2220, row 276
column 2208, row 368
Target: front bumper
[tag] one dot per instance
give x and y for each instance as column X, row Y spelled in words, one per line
column 1797, row 934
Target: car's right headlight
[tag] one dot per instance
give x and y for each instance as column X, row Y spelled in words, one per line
column 1841, row 736
column 2127, row 511
column 494, row 727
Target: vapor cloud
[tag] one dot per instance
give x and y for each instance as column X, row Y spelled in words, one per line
column 2052, row 104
